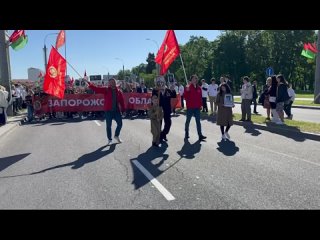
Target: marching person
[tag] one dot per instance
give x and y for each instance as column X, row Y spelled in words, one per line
column 113, row 106
column 224, row 118
column 164, row 94
column 193, row 96
column 156, row 114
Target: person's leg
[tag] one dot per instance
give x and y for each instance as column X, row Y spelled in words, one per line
column 118, row 118
column 167, row 124
column 228, row 127
column 108, row 115
column 222, row 130
column 243, row 110
column 268, row 113
column 182, row 101
column 211, row 103
column 248, row 109
column 188, row 118
column 197, row 117
column 215, row 105
column 289, row 109
column 255, row 105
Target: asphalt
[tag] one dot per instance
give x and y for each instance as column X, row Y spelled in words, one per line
column 63, row 164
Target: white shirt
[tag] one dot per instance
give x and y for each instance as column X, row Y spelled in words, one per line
column 291, row 94
column 181, row 90
column 204, row 92
column 3, row 98
column 213, row 90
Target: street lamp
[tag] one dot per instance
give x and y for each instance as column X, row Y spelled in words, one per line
column 157, row 65
column 122, row 65
column 45, row 49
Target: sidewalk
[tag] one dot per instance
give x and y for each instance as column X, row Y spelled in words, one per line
column 13, row 122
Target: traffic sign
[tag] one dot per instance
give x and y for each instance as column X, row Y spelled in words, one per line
column 269, row 71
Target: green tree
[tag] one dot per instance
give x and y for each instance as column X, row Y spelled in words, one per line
column 151, row 63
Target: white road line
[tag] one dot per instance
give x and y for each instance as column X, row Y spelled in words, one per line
column 97, row 123
column 280, row 153
column 155, row 182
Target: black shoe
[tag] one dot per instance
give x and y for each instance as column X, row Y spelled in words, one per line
column 155, row 145
column 255, row 112
column 242, row 120
column 165, row 139
column 202, row 137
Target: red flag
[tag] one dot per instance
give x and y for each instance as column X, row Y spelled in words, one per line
column 55, row 74
column 16, row 35
column 60, row 39
column 310, row 47
column 168, row 51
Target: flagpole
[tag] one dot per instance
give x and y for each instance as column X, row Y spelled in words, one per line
column 65, row 49
column 185, row 75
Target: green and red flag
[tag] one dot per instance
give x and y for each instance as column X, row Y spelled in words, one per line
column 54, row 80
column 18, row 39
column 168, row 52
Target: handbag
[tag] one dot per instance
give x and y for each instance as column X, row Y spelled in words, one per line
column 272, row 99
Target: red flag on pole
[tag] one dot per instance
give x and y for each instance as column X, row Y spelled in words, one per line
column 60, row 39
column 54, row 80
column 168, row 52
column 16, row 35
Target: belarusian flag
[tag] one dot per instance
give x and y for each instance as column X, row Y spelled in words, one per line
column 308, row 54
column 18, row 39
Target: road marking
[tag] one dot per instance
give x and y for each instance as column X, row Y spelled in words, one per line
column 155, row 182
column 97, row 123
column 280, row 153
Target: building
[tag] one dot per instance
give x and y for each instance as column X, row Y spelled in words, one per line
column 34, row 74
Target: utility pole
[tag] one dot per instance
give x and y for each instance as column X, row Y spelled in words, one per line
column 317, row 74
column 5, row 73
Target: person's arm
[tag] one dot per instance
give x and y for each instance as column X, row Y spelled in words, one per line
column 102, row 90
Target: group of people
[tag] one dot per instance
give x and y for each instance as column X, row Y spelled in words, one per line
column 160, row 110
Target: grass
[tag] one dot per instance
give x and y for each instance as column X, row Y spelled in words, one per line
column 302, row 126
column 296, row 102
column 305, row 96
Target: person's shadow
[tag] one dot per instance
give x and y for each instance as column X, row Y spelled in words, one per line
column 8, row 161
column 227, row 147
column 251, row 129
column 143, row 163
column 189, row 150
column 84, row 159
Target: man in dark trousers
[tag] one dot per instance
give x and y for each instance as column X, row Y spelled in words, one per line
column 165, row 95
column 254, row 96
column 193, row 96
column 113, row 106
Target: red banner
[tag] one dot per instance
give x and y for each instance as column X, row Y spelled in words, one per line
column 92, row 102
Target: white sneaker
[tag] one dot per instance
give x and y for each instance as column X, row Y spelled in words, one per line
column 227, row 135
column 118, row 139
column 109, row 142
column 224, row 137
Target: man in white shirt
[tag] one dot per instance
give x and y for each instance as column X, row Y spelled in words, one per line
column 288, row 104
column 212, row 92
column 204, row 88
column 181, row 92
column 3, row 105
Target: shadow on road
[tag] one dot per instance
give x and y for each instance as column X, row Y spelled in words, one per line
column 80, row 162
column 8, row 161
column 251, row 129
column 145, row 159
column 227, row 147
column 189, row 150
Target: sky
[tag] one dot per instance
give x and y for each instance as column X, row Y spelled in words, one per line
column 95, row 51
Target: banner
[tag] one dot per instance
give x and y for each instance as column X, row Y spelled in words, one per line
column 92, row 102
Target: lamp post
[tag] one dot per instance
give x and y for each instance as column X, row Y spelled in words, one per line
column 122, row 65
column 45, row 49
column 157, row 65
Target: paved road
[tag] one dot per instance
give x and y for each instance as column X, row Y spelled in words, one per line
column 67, row 165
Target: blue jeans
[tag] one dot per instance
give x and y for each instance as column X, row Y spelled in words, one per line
column 30, row 112
column 117, row 117
column 196, row 114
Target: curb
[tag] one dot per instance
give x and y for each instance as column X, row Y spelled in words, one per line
column 294, row 106
column 269, row 127
column 11, row 125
